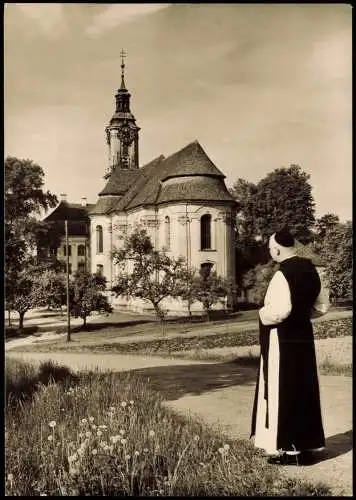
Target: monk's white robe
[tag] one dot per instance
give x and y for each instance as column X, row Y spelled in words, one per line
column 277, row 307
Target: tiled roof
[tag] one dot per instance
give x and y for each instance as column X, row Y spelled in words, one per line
column 148, row 187
column 69, row 211
column 120, row 181
column 191, row 160
column 104, row 205
column 147, row 173
column 197, row 189
column 76, row 215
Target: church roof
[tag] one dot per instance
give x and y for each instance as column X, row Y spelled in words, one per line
column 195, row 189
column 191, row 160
column 147, row 173
column 198, row 179
column 104, row 205
column 119, row 182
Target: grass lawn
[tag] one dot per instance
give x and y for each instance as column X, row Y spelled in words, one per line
column 108, row 434
column 146, row 336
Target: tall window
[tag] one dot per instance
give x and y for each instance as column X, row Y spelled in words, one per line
column 69, row 268
column 99, row 239
column 69, row 250
column 205, row 232
column 81, row 267
column 167, row 233
column 81, row 250
column 100, row 270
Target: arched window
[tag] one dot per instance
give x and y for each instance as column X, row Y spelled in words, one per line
column 99, row 239
column 167, row 233
column 100, row 269
column 205, row 232
column 81, row 251
column 206, row 269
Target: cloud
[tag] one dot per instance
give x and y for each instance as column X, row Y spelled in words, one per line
column 49, row 17
column 120, row 13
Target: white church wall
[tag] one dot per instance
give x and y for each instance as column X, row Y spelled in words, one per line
column 103, row 258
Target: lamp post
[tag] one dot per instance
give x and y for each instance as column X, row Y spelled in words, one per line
column 67, row 272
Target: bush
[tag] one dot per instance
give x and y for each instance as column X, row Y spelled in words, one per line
column 109, row 435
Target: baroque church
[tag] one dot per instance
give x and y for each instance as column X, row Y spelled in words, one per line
column 181, row 200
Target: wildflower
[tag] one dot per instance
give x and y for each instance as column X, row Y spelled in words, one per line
column 127, row 457
column 43, row 494
column 114, row 439
column 88, row 434
column 84, row 421
column 73, row 458
column 226, row 447
column 122, row 432
column 103, row 426
column 221, row 451
column 103, row 444
column 94, row 452
column 93, row 427
column 131, row 402
column 99, row 433
column 196, row 438
column 112, row 408
column 110, row 448
column 151, row 433
column 91, row 419
column 73, row 471
column 123, row 441
column 52, row 424
column 81, row 434
column 50, row 438
column 123, row 404
column 81, row 452
column 145, row 450
column 10, row 477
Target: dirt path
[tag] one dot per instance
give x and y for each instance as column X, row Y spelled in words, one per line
column 223, row 393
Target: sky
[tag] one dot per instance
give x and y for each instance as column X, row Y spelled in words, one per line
column 260, row 86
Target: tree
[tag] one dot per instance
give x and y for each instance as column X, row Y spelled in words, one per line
column 86, row 295
column 284, row 199
column 50, row 289
column 21, row 297
column 336, row 251
column 210, row 289
column 154, row 275
column 25, row 199
column 256, row 280
column 281, row 199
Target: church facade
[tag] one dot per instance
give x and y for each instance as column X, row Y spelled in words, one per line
column 181, row 200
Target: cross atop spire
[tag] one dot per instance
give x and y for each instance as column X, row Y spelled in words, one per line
column 122, row 55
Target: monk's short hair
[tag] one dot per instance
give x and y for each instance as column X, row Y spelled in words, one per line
column 284, row 238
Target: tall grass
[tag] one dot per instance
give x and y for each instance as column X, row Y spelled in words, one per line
column 106, row 434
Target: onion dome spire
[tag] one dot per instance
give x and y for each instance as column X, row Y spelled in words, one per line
column 122, row 55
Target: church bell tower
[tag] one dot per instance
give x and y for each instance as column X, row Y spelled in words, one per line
column 122, row 131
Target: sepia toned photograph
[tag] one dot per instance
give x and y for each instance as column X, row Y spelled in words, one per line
column 178, row 249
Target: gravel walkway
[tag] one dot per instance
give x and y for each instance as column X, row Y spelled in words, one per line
column 223, row 393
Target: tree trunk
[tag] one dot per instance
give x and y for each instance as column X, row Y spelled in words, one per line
column 22, row 315
column 9, row 317
column 84, row 321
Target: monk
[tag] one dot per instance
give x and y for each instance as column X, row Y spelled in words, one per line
column 286, row 418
